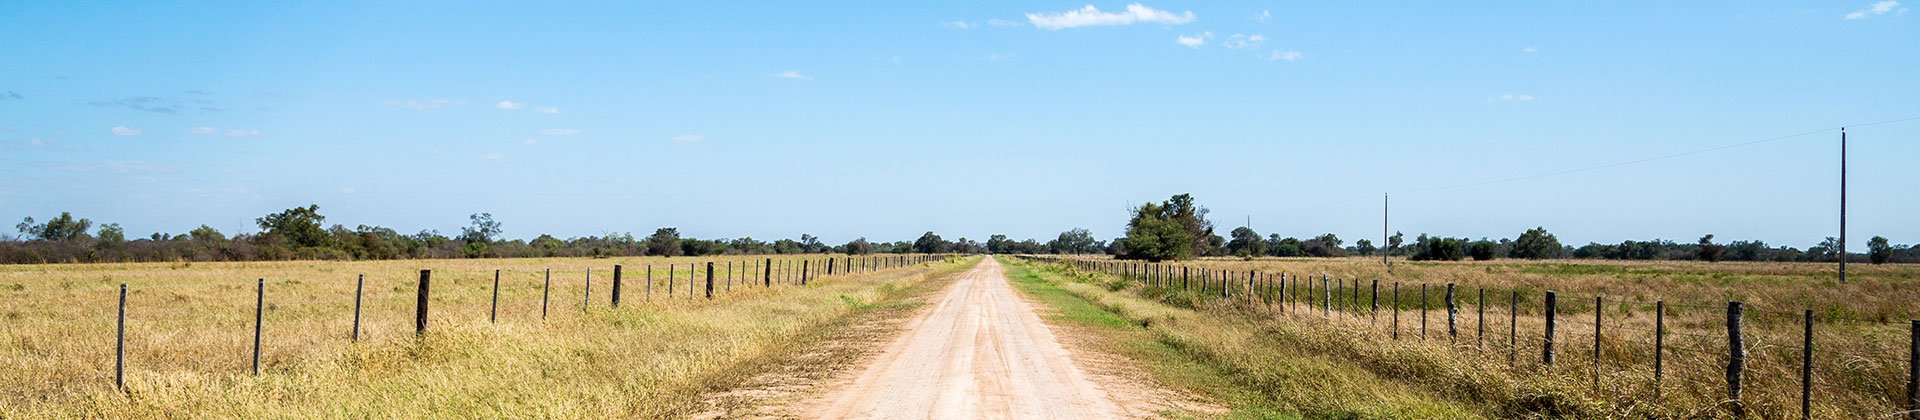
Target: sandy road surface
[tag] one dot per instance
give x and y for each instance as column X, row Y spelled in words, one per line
column 980, row 352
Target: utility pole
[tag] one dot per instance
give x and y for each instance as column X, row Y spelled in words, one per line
column 1386, row 246
column 1843, row 205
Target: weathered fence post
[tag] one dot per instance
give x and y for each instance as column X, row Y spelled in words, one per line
column 493, row 314
column 1513, row 328
column 120, row 343
column 1546, row 345
column 730, row 275
column 420, row 303
column 669, row 280
column 1480, row 334
column 1423, row 311
column 1806, row 369
column 1596, row 343
column 768, row 279
column 546, row 291
column 616, row 286
column 586, row 298
column 1326, row 297
column 692, row 270
column 1659, row 344
column 803, row 271
column 830, row 266
column 1736, row 357
column 259, row 317
column 358, row 285
column 709, row 280
column 1396, row 310
column 1375, row 311
column 1453, row 331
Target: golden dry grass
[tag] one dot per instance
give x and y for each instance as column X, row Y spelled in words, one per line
column 190, row 326
column 1861, row 331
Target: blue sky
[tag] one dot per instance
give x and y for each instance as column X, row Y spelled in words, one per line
column 1024, row 118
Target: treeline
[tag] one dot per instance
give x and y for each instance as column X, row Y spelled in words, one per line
column 1178, row 229
column 300, row 233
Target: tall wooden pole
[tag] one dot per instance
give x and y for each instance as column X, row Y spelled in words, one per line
column 1843, row 205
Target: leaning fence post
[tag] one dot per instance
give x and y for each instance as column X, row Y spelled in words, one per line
column 493, row 314
column 358, row 285
column 1736, row 357
column 546, row 289
column 1806, row 369
column 120, row 343
column 420, row 303
column 259, row 316
column 709, row 280
column 1546, row 345
column 1453, row 331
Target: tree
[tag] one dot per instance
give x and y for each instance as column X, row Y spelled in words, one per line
column 483, row 229
column 111, row 234
column 1536, row 244
column 207, row 234
column 1394, row 242
column 302, row 225
column 1172, row 230
column 665, row 242
column 1437, row 249
column 1325, row 245
column 1074, row 241
column 1827, row 251
column 63, row 228
column 1709, row 251
column 997, row 244
column 930, row 243
column 1246, row 243
column 858, row 247
column 1364, row 247
column 1878, row 250
column 1481, row 250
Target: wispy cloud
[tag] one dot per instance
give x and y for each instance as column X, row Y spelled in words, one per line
column 509, row 105
column 998, row 57
column 1529, row 50
column 1262, row 17
column 1515, row 97
column 560, row 132
column 1283, row 55
column 959, row 24
column 1092, row 16
column 159, row 104
column 547, row 110
column 1877, row 8
column 435, row 103
column 204, row 130
column 492, row 156
column 1239, row 41
column 1194, row 41
column 689, row 138
column 243, row 133
column 123, row 131
column 792, row 74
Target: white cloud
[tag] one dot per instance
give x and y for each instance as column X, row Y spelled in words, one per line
column 959, row 24
column 531, row 141
column 243, row 133
column 1516, row 97
column 492, row 156
column 998, row 57
column 791, row 74
column 123, row 131
column 689, row 138
column 559, row 131
column 1238, row 41
column 1003, row 22
column 435, row 103
column 547, row 110
column 1092, row 16
column 1262, row 17
column 1877, row 8
column 36, row 142
column 1283, row 55
column 204, row 130
column 1529, row 50
column 1194, row 41
column 510, row 105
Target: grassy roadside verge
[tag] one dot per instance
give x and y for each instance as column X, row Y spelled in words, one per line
column 1249, row 367
column 647, row 360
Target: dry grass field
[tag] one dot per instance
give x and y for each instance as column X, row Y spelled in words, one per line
column 1860, row 354
column 190, row 336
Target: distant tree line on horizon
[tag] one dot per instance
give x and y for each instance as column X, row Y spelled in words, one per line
column 1177, row 229
column 300, row 234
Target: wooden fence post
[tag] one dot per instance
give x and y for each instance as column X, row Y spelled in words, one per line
column 120, row 343
column 1546, row 346
column 768, row 279
column 1423, row 311
column 546, row 290
column 669, row 280
column 803, row 271
column 1659, row 344
column 1513, row 327
column 830, row 266
column 1806, row 369
column 730, row 274
column 493, row 314
column 259, row 317
column 691, row 271
column 420, row 303
column 1480, row 334
column 1326, row 297
column 1374, row 312
column 616, row 286
column 1396, row 310
column 1736, row 357
column 1453, row 309
column 586, row 298
column 358, row 286
column 1596, row 343
column 709, row 280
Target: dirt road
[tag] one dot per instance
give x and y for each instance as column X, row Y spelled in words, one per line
column 980, row 352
